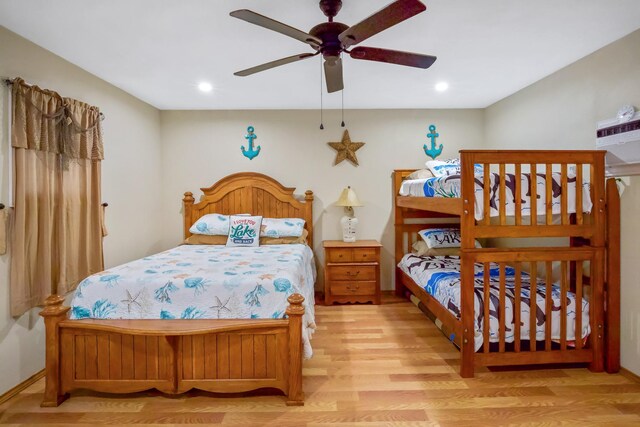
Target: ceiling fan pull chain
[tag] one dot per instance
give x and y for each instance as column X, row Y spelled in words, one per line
column 342, row 93
column 321, row 125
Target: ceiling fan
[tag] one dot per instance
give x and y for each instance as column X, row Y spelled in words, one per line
column 332, row 38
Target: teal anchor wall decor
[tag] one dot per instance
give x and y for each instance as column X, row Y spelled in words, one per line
column 250, row 152
column 432, row 152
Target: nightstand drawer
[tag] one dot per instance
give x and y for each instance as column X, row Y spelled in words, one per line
column 353, row 288
column 340, row 255
column 352, row 272
column 365, row 255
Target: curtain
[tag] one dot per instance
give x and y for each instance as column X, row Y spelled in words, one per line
column 57, row 226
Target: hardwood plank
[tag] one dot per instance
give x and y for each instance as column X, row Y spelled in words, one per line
column 247, row 356
column 103, row 357
column 115, row 356
column 91, row 356
column 152, row 357
column 139, row 357
column 260, row 356
column 198, row 356
column 235, row 356
column 271, row 351
column 210, row 360
column 222, row 363
column 127, row 357
column 187, row 358
column 79, row 357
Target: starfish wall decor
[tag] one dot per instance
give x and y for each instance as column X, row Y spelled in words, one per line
column 346, row 149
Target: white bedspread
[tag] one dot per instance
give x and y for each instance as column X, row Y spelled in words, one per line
column 203, row 282
column 450, row 186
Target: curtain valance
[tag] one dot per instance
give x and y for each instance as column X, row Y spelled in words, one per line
column 45, row 121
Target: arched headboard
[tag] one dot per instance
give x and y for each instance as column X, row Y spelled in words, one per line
column 249, row 192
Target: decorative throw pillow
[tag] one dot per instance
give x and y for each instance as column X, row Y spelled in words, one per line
column 420, row 174
column 420, row 248
column 449, row 167
column 443, row 238
column 282, row 227
column 244, row 230
column 211, row 224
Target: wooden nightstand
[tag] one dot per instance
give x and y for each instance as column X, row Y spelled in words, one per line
column 351, row 271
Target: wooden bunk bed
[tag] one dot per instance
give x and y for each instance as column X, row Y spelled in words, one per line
column 174, row 356
column 593, row 238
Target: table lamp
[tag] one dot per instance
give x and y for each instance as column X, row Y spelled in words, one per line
column 349, row 222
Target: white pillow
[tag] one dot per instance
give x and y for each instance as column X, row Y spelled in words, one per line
column 443, row 238
column 420, row 248
column 282, row 227
column 449, row 167
column 244, row 230
column 420, row 174
column 211, row 224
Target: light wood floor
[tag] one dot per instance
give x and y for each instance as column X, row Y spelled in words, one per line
column 373, row 366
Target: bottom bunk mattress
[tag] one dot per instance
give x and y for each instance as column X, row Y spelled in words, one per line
column 439, row 276
column 203, row 282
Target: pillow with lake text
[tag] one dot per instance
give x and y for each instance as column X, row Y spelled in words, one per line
column 244, row 230
column 443, row 237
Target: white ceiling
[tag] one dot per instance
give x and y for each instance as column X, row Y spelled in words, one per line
column 158, row 50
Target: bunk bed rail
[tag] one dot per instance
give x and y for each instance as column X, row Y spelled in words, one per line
column 532, row 193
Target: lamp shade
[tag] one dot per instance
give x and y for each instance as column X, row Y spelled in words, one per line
column 348, row 198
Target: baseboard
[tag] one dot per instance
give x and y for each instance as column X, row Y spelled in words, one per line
column 627, row 373
column 23, row 385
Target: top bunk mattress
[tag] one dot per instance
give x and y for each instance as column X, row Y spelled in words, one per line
column 451, row 187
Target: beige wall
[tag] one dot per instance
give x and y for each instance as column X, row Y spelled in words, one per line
column 131, row 177
column 200, row 147
column 560, row 112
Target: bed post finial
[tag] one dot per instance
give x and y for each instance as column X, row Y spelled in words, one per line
column 295, row 311
column 308, row 196
column 54, row 312
column 187, row 203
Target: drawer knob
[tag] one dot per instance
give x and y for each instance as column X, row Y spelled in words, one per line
column 353, row 274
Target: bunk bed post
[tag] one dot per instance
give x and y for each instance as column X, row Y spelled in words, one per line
column 399, row 234
column 467, row 260
column 597, row 266
column 612, row 279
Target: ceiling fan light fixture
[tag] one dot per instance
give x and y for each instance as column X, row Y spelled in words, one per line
column 205, row 87
column 441, row 86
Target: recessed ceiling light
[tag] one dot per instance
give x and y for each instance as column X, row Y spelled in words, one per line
column 442, row 86
column 205, row 87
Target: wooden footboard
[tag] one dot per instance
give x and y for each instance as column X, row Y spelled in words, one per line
column 173, row 356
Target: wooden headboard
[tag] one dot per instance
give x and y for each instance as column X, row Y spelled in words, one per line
column 249, row 192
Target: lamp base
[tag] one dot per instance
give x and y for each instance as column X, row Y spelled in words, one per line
column 349, row 225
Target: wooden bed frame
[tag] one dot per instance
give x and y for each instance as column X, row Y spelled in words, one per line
column 174, row 356
column 593, row 237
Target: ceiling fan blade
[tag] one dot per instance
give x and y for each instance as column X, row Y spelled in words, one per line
column 386, row 17
column 333, row 75
column 270, row 24
column 273, row 64
column 393, row 56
